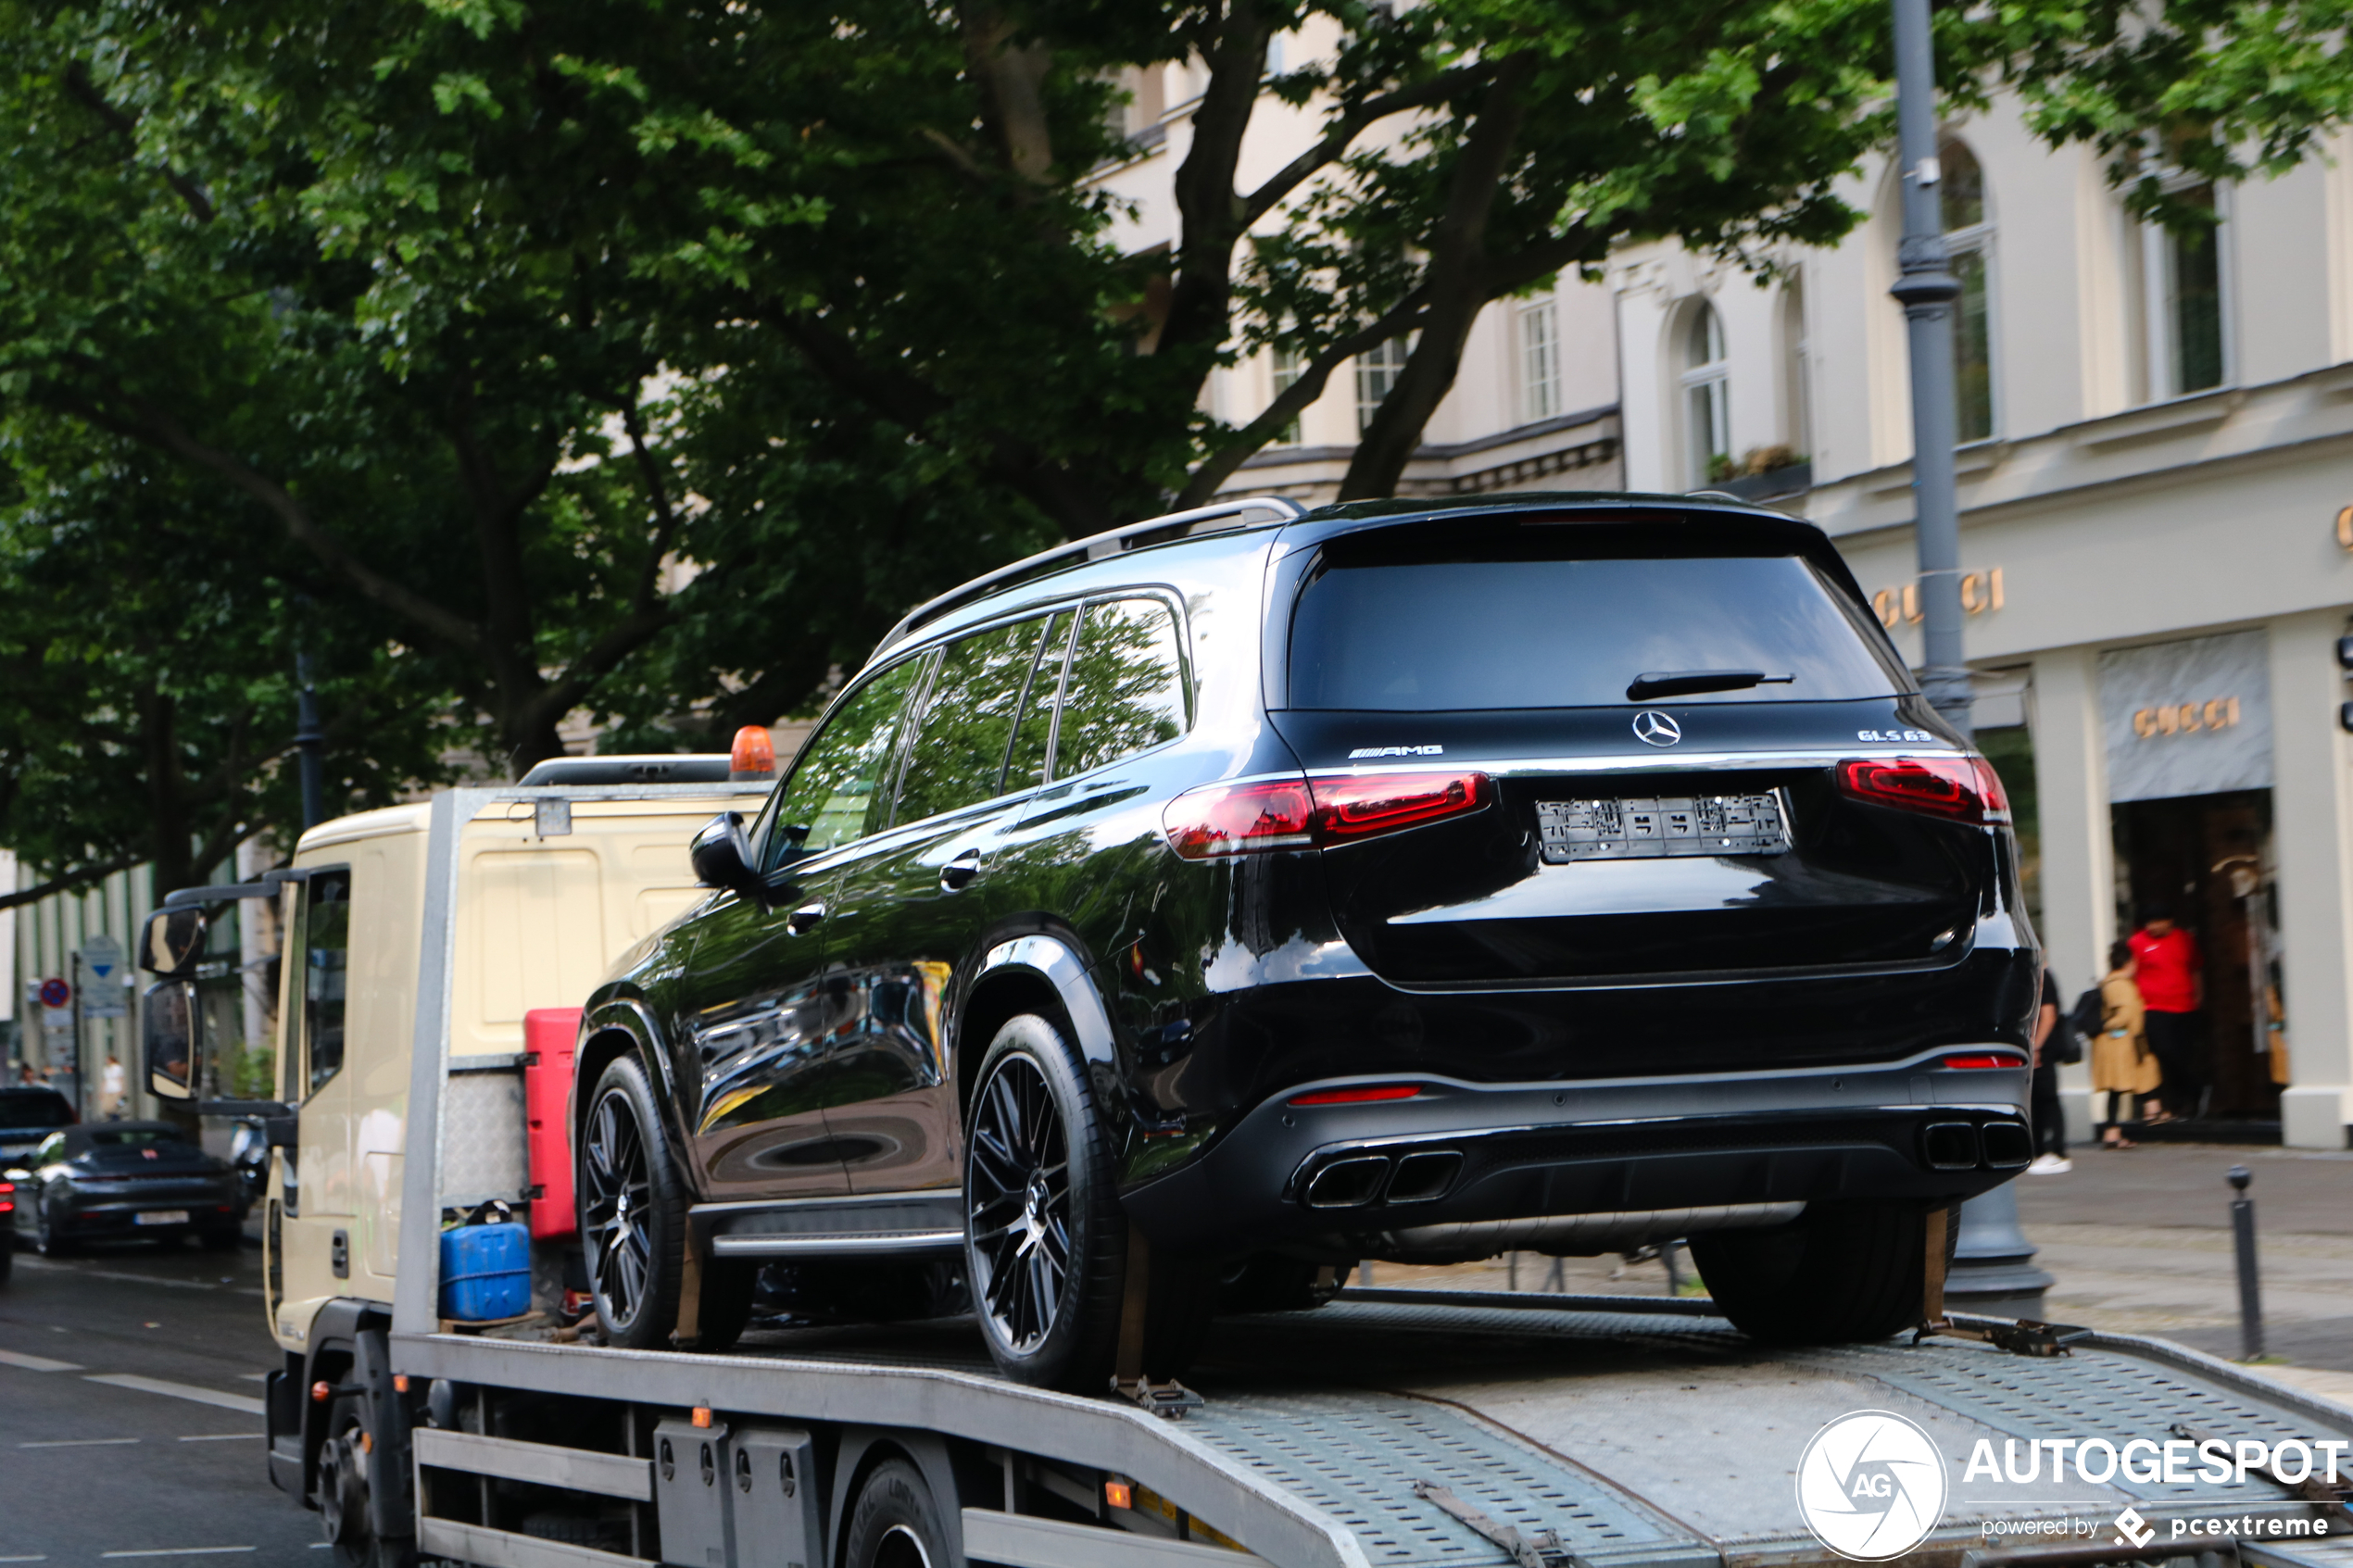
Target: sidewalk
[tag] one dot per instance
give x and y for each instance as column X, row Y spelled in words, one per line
column 2139, row 1242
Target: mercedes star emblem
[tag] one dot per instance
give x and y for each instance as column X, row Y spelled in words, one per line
column 1655, row 728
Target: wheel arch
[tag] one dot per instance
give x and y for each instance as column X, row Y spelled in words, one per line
column 1041, row 973
column 866, row 1449
column 612, row 1028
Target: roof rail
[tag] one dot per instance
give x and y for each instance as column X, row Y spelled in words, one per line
column 1096, row 546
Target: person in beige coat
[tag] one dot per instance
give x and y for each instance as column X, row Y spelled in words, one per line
column 2124, row 1070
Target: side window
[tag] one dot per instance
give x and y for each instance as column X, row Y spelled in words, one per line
column 326, row 948
column 838, row 789
column 1126, row 687
column 958, row 755
column 1026, row 768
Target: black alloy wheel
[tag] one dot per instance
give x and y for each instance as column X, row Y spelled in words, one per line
column 632, row 1212
column 1019, row 1201
column 1045, row 1241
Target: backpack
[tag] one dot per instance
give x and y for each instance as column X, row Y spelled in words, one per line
column 2084, row 1023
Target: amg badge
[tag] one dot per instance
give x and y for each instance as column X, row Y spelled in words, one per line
column 1362, row 752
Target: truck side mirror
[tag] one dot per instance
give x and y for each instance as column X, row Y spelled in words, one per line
column 174, row 939
column 721, row 855
column 170, row 1039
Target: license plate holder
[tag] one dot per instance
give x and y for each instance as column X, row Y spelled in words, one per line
column 1663, row 827
column 160, row 1217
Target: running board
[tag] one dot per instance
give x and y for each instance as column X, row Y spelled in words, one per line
column 545, row 1464
column 504, row 1548
column 807, row 1244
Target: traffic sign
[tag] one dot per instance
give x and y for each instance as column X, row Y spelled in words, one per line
column 101, row 955
column 55, row 994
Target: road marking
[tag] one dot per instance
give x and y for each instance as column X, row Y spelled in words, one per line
column 179, row 1551
column 41, row 1558
column 253, row 1377
column 35, row 1363
column 43, row 1263
column 80, row 1443
column 179, row 1391
column 222, row 1438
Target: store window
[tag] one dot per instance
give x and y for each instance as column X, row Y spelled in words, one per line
column 2181, row 294
column 1540, row 359
column 1968, row 242
column 1377, row 371
column 1707, row 384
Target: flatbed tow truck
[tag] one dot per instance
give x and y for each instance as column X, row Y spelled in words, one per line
column 1389, row 1428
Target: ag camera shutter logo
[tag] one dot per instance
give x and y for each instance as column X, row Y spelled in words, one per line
column 1871, row 1486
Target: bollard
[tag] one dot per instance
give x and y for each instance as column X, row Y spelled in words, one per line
column 2250, row 1286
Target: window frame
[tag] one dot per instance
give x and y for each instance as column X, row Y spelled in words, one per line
column 293, row 999
column 1169, row 599
column 1366, row 365
column 2159, row 334
column 764, row 826
column 1544, row 307
column 1712, row 380
column 1978, row 240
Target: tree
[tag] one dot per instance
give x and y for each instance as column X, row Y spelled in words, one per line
column 146, row 667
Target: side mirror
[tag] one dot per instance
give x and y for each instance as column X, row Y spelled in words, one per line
column 174, row 938
column 171, row 1038
column 721, row 855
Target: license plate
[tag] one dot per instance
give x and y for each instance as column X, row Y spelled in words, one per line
column 161, row 1217
column 1650, row 828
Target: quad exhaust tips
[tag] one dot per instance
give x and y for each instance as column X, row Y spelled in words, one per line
column 1366, row 1179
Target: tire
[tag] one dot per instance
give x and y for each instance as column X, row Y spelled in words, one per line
column 1842, row 1274
column 633, row 1210
column 47, row 1240
column 1045, row 1239
column 342, row 1493
column 895, row 1523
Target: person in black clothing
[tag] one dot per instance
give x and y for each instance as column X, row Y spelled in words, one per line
column 2050, row 1126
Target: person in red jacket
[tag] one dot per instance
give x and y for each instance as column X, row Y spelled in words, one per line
column 2171, row 972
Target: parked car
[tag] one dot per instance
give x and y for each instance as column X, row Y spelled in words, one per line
column 125, row 1179
column 1413, row 880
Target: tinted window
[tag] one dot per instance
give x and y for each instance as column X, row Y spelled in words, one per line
column 41, row 1107
column 1026, row 767
column 1126, row 689
column 839, row 788
column 135, row 1137
column 1411, row 636
column 958, row 754
column 327, row 949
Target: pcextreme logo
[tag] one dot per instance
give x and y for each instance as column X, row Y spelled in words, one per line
column 1871, row 1485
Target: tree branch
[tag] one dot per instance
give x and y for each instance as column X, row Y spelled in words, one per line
column 70, row 881
column 82, row 90
column 1352, row 124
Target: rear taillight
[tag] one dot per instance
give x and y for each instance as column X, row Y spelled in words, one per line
column 1985, row 1060
column 1363, row 1094
column 1963, row 789
column 8, row 1198
column 1312, row 812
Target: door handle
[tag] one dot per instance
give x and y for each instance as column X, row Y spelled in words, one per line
column 806, row 919
column 960, row 871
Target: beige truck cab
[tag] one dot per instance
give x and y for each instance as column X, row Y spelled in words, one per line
column 415, row 941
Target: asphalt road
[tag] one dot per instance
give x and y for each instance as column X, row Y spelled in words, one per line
column 131, row 1414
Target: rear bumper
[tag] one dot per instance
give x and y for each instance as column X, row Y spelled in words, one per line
column 1335, row 1179
column 94, row 1215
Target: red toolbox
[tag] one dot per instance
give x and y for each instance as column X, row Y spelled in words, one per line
column 548, row 1037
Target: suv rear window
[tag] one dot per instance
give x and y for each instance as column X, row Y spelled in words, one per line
column 1568, row 617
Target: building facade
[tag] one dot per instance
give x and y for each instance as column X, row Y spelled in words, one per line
column 2155, row 472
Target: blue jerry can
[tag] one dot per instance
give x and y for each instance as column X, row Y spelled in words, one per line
column 485, row 1272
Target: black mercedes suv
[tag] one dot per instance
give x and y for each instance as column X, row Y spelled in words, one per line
column 1229, row 898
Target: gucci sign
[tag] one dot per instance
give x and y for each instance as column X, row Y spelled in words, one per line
column 1981, row 592
column 2186, row 718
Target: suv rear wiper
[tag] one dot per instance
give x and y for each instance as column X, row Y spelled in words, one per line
column 1681, row 682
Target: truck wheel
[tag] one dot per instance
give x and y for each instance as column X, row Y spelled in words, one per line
column 1044, row 1242
column 633, row 1210
column 342, row 1493
column 1840, row 1273
column 895, row 1523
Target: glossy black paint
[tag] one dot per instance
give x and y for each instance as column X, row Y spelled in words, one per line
column 814, row 1032
column 92, row 1182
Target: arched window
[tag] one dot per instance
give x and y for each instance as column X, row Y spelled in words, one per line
column 1706, row 382
column 1968, row 240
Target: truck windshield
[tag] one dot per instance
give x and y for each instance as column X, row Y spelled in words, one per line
column 1372, row 631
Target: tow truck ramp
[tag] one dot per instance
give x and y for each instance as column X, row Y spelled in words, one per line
column 1400, row 1429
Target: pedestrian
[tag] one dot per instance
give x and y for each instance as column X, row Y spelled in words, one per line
column 113, row 1086
column 2124, row 1071
column 2050, row 1124
column 2170, row 972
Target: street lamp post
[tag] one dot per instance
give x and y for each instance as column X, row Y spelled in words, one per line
column 1993, row 1261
